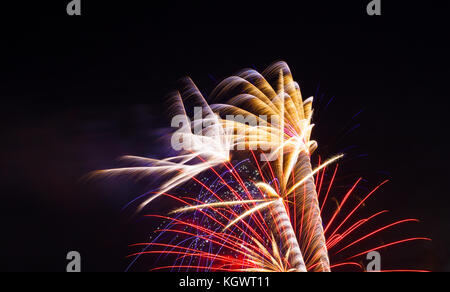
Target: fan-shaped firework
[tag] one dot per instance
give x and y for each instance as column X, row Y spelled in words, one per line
column 261, row 213
column 292, row 143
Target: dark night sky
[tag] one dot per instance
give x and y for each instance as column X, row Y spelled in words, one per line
column 78, row 92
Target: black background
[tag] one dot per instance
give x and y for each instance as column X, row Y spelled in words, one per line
column 78, row 92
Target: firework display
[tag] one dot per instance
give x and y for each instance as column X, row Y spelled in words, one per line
column 244, row 193
column 214, row 145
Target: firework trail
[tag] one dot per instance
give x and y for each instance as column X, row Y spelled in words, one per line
column 263, row 212
column 290, row 244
